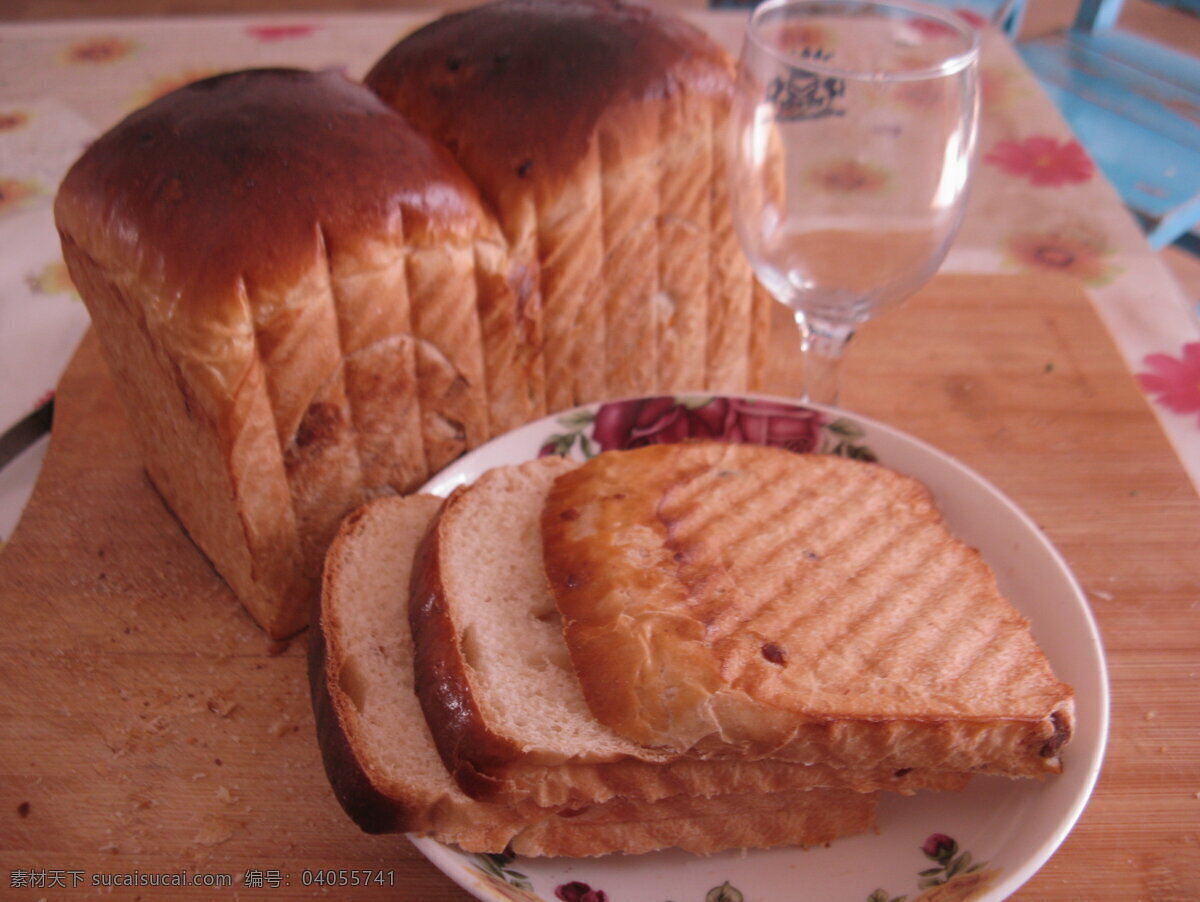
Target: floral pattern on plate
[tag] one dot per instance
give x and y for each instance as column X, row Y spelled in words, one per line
column 954, row 877
column 634, row 423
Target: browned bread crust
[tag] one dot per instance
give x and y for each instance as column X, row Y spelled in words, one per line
column 736, row 599
column 283, row 274
column 611, row 168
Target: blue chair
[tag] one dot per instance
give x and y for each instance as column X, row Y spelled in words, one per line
column 1004, row 14
column 1135, row 106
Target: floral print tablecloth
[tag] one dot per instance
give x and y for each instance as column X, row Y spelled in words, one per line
column 1039, row 203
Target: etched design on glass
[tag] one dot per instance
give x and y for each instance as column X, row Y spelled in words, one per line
column 805, row 95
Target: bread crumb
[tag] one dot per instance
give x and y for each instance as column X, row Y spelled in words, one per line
column 224, row 795
column 1150, row 715
column 222, row 707
column 214, row 832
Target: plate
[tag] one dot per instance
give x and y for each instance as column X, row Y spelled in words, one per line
column 980, row 844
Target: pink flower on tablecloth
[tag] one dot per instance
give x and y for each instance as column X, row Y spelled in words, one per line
column 14, row 193
column 160, row 87
column 1077, row 250
column 1175, row 382
column 803, row 39
column 973, row 17
column 848, row 176
column 932, row 28
column 1045, row 160
column 270, row 33
column 1000, row 87
column 11, row 120
column 97, row 51
column 53, row 278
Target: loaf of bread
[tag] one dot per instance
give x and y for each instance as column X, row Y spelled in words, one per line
column 385, row 770
column 733, row 600
column 308, row 299
column 597, row 132
column 288, row 283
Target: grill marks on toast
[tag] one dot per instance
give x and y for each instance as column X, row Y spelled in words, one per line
column 832, row 593
column 807, row 605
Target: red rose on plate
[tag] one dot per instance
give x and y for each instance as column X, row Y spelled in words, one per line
column 773, row 423
column 660, row 420
column 645, row 421
column 579, row 892
column 938, row 846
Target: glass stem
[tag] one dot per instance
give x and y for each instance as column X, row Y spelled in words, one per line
column 822, row 345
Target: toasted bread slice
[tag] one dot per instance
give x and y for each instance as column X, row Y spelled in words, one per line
column 724, row 599
column 496, row 682
column 386, row 773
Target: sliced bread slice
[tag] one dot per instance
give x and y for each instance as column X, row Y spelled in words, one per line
column 376, row 749
column 728, row 599
column 386, row 773
column 496, row 683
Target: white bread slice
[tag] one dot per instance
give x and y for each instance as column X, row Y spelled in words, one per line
column 386, row 773
column 375, row 747
column 495, row 680
column 740, row 599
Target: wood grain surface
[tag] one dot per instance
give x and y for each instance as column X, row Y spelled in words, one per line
column 146, row 724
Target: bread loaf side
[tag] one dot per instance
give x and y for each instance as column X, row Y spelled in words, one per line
column 596, row 131
column 284, row 276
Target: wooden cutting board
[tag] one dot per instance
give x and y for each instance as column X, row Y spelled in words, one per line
column 147, row 725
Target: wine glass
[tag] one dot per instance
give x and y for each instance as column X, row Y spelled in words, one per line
column 853, row 136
